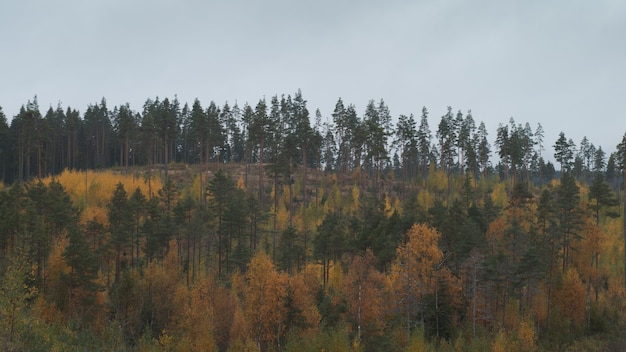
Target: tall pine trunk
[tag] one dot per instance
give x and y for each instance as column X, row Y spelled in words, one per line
column 261, row 156
column 624, row 208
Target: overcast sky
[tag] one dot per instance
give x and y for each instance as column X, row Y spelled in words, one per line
column 558, row 63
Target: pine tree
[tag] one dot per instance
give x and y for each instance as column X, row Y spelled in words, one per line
column 563, row 153
column 447, row 136
column 220, row 189
column 81, row 280
column 125, row 129
column 484, row 148
column 600, row 195
column 259, row 130
column 569, row 213
column 121, row 226
column 599, row 163
column 330, row 243
column 406, row 141
column 423, row 143
column 621, row 157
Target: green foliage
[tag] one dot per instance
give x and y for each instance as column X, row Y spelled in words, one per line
column 156, row 269
column 16, row 295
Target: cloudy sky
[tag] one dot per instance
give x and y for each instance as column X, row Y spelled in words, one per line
column 558, row 63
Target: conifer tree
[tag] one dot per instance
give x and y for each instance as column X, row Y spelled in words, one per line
column 569, row 214
column 600, row 195
column 121, row 226
column 125, row 129
column 621, row 159
column 563, row 153
column 484, row 148
column 406, row 141
column 81, row 280
column 221, row 189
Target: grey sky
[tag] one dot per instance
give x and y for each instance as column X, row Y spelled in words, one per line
column 561, row 63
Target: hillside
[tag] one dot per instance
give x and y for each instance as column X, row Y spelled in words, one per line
column 361, row 261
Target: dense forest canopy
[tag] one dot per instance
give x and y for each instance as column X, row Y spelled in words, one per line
column 270, row 228
column 282, row 132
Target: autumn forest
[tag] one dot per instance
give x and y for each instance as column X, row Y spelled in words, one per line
column 270, row 228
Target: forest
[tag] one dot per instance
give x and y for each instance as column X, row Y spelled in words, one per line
column 269, row 228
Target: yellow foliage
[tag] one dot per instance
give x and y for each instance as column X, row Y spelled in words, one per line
column 397, row 205
column 388, row 207
column 194, row 188
column 238, row 330
column 418, row 343
column 165, row 340
column 57, row 270
column 425, row 199
column 95, row 188
column 334, row 198
column 264, row 292
column 335, row 275
column 160, row 283
column 287, row 197
column 437, row 180
column 95, row 212
column 612, row 249
column 483, row 185
column 272, row 195
column 521, row 339
column 586, row 255
column 555, row 183
column 526, row 335
column 241, row 184
column 500, row 343
column 355, row 193
column 499, row 196
column 282, row 218
column 416, row 261
column 194, row 317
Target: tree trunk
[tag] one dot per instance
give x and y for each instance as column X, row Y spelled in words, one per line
column 261, row 172
column 624, row 208
column 304, row 178
column 38, row 159
column 126, row 154
column 359, row 315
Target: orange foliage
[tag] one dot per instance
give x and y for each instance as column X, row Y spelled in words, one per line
column 194, row 316
column 263, row 293
column 496, row 231
column 304, row 286
column 241, row 184
column 364, row 291
column 586, row 256
column 570, row 298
